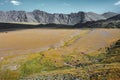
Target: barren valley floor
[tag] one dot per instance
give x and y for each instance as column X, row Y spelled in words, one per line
column 31, row 53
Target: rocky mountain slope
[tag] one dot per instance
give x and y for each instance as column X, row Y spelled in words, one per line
column 38, row 16
column 117, row 17
column 109, row 14
column 112, row 22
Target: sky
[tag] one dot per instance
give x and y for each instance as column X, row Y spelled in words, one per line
column 61, row 6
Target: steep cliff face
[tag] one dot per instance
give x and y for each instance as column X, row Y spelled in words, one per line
column 45, row 18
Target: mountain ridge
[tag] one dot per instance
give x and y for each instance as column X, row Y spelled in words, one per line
column 43, row 17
